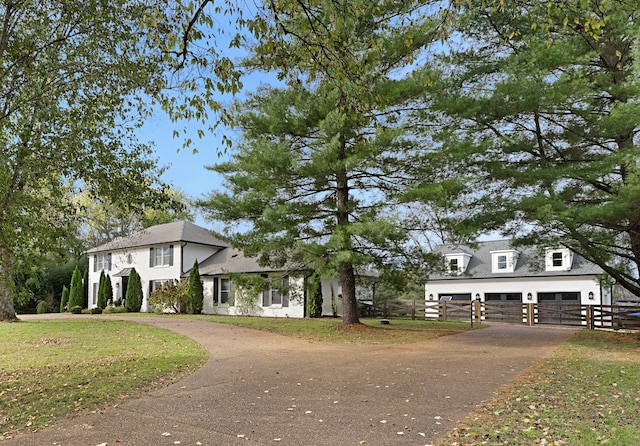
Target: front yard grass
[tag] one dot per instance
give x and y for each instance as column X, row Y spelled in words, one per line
column 398, row 331
column 586, row 393
column 50, row 369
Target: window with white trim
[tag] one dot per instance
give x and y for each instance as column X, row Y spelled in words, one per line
column 102, row 262
column 277, row 295
column 502, row 262
column 161, row 256
column 558, row 259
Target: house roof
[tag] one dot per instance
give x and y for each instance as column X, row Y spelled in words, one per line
column 231, row 260
column 179, row 231
column 530, row 263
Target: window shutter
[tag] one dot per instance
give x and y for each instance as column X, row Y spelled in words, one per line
column 285, row 291
column 95, row 264
column 150, row 257
column 265, row 298
column 171, row 255
column 109, row 262
column 215, row 290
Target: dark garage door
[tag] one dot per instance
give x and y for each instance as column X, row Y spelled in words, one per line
column 559, row 308
column 505, row 307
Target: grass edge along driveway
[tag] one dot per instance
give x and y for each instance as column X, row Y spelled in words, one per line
column 52, row 369
column 584, row 393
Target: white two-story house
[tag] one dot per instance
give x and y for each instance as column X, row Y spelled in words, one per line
column 167, row 252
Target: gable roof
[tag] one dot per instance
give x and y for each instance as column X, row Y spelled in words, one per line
column 529, row 264
column 179, row 231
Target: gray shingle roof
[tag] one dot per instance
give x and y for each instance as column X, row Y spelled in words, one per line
column 179, row 231
column 530, row 263
column 230, row 260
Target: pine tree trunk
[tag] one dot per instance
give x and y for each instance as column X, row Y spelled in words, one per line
column 347, row 276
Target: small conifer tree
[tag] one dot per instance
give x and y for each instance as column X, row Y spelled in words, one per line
column 101, row 302
column 133, row 298
column 85, row 289
column 108, row 294
column 196, row 292
column 314, row 296
column 64, row 300
column 76, row 298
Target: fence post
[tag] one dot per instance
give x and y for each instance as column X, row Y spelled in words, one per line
column 413, row 309
column 478, row 310
column 589, row 314
column 444, row 309
column 530, row 313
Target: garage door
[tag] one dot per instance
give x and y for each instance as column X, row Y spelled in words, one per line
column 559, row 308
column 505, row 307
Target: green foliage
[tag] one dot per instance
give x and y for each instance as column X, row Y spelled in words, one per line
column 174, row 296
column 76, row 298
column 85, row 288
column 314, row 296
column 42, row 307
column 196, row 292
column 316, row 177
column 76, row 310
column 535, row 111
column 96, row 310
column 112, row 310
column 134, row 296
column 102, row 299
column 64, row 300
column 74, row 96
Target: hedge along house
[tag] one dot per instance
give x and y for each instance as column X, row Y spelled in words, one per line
column 494, row 271
column 230, row 280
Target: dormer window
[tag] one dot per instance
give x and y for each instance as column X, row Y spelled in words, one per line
column 558, row 259
column 504, row 261
column 457, row 263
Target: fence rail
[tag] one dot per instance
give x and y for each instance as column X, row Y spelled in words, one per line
column 557, row 313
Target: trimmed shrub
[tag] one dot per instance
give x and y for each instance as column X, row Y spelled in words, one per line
column 64, row 300
column 42, row 307
column 133, row 299
column 85, row 289
column 101, row 301
column 76, row 297
column 76, row 310
column 96, row 310
column 196, row 292
column 112, row 309
column 314, row 296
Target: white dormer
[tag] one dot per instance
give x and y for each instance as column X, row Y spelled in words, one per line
column 504, row 260
column 457, row 262
column 558, row 259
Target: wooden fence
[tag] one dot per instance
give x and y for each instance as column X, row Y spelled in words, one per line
column 556, row 313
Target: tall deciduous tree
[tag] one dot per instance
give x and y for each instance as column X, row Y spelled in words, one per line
column 540, row 107
column 320, row 163
column 74, row 79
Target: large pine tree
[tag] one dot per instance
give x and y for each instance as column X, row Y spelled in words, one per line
column 315, row 177
column 540, row 110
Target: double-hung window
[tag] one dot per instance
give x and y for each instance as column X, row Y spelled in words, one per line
column 277, row 294
column 161, row 256
column 502, row 262
column 222, row 291
column 102, row 262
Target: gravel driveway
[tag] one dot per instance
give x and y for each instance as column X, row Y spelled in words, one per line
column 263, row 388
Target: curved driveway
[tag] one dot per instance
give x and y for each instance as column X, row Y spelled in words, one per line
column 262, row 388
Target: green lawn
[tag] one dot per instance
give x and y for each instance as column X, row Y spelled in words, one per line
column 399, row 331
column 50, row 369
column 586, row 393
